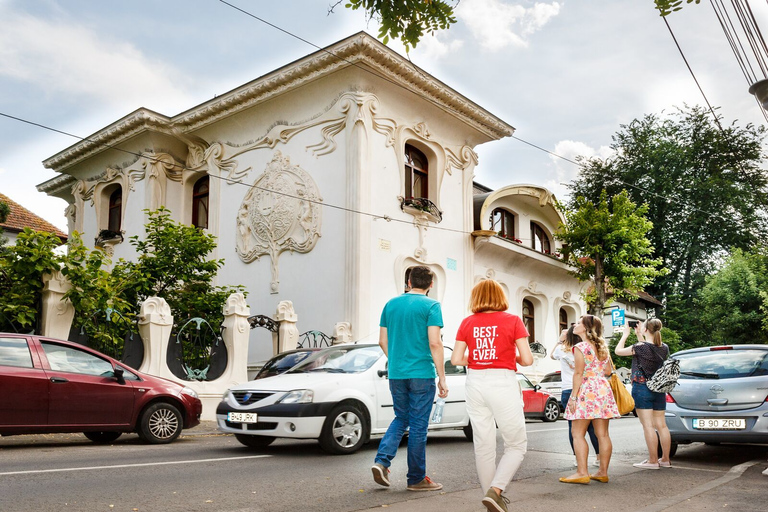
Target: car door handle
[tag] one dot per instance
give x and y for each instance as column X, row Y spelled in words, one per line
column 717, row 401
column 58, row 380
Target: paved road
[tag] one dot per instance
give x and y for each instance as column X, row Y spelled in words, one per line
column 209, row 472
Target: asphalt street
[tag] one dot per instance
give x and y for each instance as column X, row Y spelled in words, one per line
column 207, row 471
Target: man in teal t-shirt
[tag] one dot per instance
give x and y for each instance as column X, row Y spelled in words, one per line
column 410, row 337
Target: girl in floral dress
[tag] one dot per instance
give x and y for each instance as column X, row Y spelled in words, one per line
column 592, row 399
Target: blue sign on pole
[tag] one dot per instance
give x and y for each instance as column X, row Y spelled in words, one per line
column 617, row 315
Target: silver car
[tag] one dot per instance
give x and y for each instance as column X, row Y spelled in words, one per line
column 721, row 396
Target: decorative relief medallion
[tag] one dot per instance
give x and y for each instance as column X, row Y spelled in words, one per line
column 281, row 212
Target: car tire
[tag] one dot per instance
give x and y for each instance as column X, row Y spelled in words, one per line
column 551, row 411
column 102, row 437
column 672, row 448
column 345, row 430
column 634, row 412
column 468, row 432
column 160, row 423
column 254, row 441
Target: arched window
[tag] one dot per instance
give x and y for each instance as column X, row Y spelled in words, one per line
column 529, row 320
column 503, row 222
column 114, row 219
column 416, row 173
column 539, row 239
column 563, row 319
column 200, row 203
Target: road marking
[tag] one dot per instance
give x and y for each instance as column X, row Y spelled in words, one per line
column 734, row 473
column 32, row 472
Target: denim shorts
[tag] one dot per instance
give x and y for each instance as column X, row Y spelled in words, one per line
column 647, row 399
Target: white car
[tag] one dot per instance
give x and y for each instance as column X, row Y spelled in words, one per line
column 339, row 396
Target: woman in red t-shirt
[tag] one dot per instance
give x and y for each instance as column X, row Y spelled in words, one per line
column 492, row 342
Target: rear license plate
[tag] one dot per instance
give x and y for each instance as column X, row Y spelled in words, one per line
column 719, row 423
column 242, row 417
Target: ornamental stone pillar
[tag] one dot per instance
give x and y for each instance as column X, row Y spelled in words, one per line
column 342, row 333
column 236, row 335
column 57, row 313
column 155, row 324
column 288, row 333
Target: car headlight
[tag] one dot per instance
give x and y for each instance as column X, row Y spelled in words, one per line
column 189, row 391
column 297, row 396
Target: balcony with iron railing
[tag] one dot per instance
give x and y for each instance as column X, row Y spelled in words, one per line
column 421, row 206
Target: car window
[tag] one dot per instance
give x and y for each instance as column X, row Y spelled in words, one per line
column 550, row 378
column 15, row 352
column 128, row 374
column 353, row 359
column 524, row 382
column 281, row 363
column 723, row 364
column 72, row 360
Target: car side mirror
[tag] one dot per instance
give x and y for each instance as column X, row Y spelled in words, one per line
column 383, row 373
column 119, row 375
column 536, row 387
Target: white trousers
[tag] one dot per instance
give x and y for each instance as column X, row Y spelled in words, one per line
column 494, row 398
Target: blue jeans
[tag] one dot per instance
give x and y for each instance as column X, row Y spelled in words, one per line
column 564, row 397
column 647, row 399
column 412, row 400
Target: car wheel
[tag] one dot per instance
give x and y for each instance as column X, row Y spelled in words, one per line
column 254, row 441
column 102, row 437
column 160, row 423
column 345, row 430
column 672, row 448
column 551, row 411
column 634, row 412
column 468, row 432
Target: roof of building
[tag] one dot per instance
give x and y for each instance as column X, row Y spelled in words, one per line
column 359, row 50
column 20, row 218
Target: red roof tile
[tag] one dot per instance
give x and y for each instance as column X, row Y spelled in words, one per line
column 20, row 218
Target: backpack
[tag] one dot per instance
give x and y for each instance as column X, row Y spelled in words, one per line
column 665, row 378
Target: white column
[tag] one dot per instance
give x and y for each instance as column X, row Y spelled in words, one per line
column 288, row 333
column 57, row 314
column 155, row 324
column 236, row 335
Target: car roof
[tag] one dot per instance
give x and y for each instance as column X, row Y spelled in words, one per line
column 714, row 348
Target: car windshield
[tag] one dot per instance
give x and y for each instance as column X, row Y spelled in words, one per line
column 351, row 359
column 723, row 364
column 554, row 377
column 282, row 363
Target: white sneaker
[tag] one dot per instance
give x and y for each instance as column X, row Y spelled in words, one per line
column 765, row 472
column 595, row 463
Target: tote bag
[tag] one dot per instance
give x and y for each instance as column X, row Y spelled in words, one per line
column 623, row 398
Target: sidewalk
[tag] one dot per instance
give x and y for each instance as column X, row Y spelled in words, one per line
column 743, row 489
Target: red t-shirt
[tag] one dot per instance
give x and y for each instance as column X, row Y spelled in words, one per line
column 491, row 339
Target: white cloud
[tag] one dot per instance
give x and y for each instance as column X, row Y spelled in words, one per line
column 431, row 48
column 69, row 59
column 497, row 24
column 565, row 172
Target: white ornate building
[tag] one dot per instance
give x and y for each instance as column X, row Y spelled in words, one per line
column 324, row 182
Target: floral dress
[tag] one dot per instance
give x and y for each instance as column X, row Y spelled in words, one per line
column 595, row 399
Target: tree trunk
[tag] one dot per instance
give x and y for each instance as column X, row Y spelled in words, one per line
column 596, row 309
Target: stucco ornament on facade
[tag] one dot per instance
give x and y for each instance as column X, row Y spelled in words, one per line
column 281, row 212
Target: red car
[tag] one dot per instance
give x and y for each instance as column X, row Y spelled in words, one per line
column 53, row 386
column 536, row 402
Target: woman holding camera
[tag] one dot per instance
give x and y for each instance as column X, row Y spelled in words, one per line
column 648, row 354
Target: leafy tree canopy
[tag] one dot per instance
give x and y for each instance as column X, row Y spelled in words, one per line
column 704, row 190
column 666, row 7
column 733, row 304
column 406, row 20
column 608, row 246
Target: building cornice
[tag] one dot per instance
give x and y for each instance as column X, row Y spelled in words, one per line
column 360, row 50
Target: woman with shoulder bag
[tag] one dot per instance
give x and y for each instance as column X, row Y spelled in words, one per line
column 592, row 400
column 648, row 354
column 563, row 352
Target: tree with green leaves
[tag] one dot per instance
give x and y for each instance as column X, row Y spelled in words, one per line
column 5, row 210
column 667, row 7
column 406, row 20
column 22, row 267
column 607, row 246
column 174, row 263
column 704, row 188
column 731, row 304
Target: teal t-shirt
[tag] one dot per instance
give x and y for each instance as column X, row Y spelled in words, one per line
column 406, row 318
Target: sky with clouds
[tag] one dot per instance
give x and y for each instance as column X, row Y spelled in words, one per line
column 565, row 74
